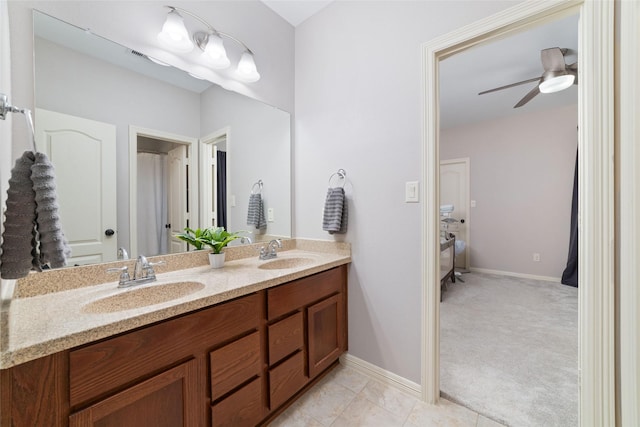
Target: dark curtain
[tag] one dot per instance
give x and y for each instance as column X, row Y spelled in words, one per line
column 570, row 273
column 221, row 203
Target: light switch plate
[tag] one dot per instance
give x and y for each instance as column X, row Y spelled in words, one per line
column 411, row 192
column 233, row 200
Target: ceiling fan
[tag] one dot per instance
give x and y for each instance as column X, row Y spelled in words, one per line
column 557, row 75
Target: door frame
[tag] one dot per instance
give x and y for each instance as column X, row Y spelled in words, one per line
column 466, row 161
column 212, row 139
column 629, row 204
column 596, row 191
column 192, row 150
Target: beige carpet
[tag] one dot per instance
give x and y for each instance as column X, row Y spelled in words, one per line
column 509, row 349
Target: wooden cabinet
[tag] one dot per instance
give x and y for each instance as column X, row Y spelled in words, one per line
column 168, row 399
column 238, row 363
column 326, row 333
column 307, row 330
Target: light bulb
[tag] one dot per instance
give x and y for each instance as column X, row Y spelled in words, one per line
column 557, row 83
column 174, row 34
column 215, row 53
column 246, row 70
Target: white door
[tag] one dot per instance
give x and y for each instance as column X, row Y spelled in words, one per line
column 83, row 153
column 454, row 190
column 209, row 147
column 177, row 197
column 209, row 184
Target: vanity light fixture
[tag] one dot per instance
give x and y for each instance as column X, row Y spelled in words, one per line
column 555, row 81
column 175, row 36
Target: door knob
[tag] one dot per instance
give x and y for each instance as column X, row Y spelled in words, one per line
column 109, row 232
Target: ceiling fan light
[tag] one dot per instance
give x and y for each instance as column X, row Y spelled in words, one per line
column 174, row 34
column 247, row 70
column 557, row 83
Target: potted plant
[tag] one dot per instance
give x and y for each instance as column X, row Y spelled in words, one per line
column 217, row 238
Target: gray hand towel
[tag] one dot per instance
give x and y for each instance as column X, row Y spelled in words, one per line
column 54, row 249
column 19, row 247
column 336, row 214
column 255, row 215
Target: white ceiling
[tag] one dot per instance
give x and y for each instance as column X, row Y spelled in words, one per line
column 296, row 11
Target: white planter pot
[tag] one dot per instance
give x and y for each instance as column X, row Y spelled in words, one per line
column 216, row 260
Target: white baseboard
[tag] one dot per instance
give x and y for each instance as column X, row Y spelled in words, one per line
column 381, row 375
column 509, row 273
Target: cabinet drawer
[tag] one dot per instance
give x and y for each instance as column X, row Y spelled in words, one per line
column 107, row 366
column 285, row 337
column 299, row 293
column 234, row 364
column 242, row 408
column 286, row 379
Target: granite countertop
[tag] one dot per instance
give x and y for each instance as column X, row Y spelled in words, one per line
column 44, row 324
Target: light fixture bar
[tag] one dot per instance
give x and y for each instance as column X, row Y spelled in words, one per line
column 210, row 27
column 211, row 44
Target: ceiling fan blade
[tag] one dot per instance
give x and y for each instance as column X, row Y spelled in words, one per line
column 528, row 97
column 573, row 66
column 535, row 79
column 573, row 71
column 553, row 59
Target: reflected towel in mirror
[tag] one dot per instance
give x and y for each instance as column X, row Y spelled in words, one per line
column 255, row 215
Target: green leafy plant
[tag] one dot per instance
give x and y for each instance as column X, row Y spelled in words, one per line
column 217, row 238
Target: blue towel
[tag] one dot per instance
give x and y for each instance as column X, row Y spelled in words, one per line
column 335, row 216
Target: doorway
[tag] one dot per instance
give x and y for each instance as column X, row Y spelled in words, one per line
column 454, row 192
column 163, row 190
column 214, row 161
column 596, row 266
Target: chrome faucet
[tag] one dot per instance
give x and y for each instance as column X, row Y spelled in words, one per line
column 143, row 272
column 122, row 253
column 270, row 251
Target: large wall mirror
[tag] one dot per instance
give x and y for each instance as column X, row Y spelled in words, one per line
column 142, row 150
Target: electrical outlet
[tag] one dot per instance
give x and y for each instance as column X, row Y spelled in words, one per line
column 270, row 215
column 536, row 257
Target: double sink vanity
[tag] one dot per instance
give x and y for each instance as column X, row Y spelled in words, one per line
column 199, row 346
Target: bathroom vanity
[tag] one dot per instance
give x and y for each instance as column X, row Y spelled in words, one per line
column 235, row 352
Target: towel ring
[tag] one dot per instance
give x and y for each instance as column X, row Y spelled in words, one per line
column 253, row 188
column 342, row 174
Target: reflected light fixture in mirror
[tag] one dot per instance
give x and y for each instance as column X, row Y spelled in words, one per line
column 174, row 35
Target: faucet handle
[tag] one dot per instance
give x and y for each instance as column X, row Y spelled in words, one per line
column 149, row 268
column 124, row 272
column 151, row 264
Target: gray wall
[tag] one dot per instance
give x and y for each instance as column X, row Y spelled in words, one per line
column 358, row 107
column 522, row 171
column 259, row 148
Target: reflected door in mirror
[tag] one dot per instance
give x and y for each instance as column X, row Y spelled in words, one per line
column 83, row 153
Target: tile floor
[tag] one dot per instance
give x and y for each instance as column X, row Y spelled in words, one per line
column 347, row 398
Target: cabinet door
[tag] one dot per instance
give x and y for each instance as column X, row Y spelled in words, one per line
column 166, row 400
column 325, row 332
